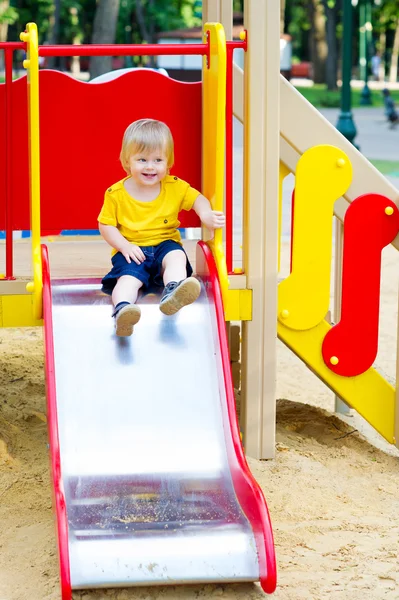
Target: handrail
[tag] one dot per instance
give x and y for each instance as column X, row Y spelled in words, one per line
column 31, row 64
column 214, row 114
column 124, row 50
column 8, row 56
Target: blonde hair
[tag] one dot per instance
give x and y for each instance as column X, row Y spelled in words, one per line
column 146, row 135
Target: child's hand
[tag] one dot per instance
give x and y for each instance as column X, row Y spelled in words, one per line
column 131, row 251
column 214, row 219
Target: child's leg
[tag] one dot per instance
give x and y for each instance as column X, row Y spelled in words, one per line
column 174, row 266
column 180, row 290
column 126, row 312
column 126, row 290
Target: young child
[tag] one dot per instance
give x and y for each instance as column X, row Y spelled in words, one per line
column 139, row 219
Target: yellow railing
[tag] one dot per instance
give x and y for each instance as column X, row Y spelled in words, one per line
column 31, row 64
column 236, row 302
column 323, row 175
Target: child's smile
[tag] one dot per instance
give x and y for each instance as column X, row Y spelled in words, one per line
column 149, row 176
column 148, row 168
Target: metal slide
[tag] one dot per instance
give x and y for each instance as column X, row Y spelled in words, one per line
column 148, row 469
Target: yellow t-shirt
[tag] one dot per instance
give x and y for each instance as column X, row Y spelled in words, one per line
column 148, row 223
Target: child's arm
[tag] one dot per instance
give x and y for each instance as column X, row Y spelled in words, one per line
column 115, row 239
column 213, row 219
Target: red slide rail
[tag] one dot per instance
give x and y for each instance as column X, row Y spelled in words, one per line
column 55, row 458
column 248, row 491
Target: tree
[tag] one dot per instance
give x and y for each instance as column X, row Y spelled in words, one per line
column 331, row 10
column 8, row 16
column 54, row 30
column 393, row 71
column 318, row 44
column 386, row 27
column 104, row 29
column 282, row 16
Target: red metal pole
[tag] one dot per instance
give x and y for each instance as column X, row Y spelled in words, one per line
column 8, row 52
column 124, row 49
column 229, row 160
column 12, row 45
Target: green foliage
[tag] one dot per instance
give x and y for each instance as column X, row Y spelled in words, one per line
column 77, row 17
column 159, row 15
column 320, row 97
column 8, row 16
column 38, row 11
column 298, row 26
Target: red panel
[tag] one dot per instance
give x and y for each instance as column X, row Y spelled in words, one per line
column 367, row 230
column 248, row 491
column 81, row 129
column 3, row 164
column 58, row 492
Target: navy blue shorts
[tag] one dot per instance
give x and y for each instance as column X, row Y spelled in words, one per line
column 149, row 271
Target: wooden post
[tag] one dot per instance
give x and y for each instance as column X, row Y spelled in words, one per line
column 219, row 11
column 261, row 191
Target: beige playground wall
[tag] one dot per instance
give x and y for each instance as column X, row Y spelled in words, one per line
column 260, row 198
column 278, row 124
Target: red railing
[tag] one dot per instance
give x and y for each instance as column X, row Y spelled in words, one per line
column 8, row 49
column 122, row 50
column 125, row 50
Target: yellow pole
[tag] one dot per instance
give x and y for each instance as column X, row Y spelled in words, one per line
column 214, row 112
column 32, row 65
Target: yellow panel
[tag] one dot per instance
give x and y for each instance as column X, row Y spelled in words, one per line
column 238, row 306
column 17, row 311
column 323, row 174
column 368, row 393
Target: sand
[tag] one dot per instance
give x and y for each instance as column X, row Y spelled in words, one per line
column 332, row 493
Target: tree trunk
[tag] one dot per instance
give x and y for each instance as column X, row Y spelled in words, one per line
column 318, row 44
column 146, row 26
column 282, row 16
column 393, row 71
column 54, row 31
column 104, row 29
column 75, row 60
column 382, row 49
column 332, row 54
column 141, row 22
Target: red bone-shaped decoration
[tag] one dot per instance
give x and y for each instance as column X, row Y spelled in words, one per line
column 371, row 223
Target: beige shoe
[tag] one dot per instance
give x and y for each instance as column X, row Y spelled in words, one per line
column 126, row 319
column 177, row 295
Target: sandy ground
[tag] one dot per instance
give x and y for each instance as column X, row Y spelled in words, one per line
column 332, row 495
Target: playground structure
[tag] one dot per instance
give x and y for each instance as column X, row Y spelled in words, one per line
column 342, row 356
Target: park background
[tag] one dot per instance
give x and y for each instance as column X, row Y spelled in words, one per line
column 332, row 488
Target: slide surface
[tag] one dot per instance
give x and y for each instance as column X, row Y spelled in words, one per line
column 151, row 486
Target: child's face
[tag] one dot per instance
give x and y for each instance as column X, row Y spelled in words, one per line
column 148, row 168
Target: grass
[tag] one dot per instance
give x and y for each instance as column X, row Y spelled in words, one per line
column 320, row 97
column 386, row 167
